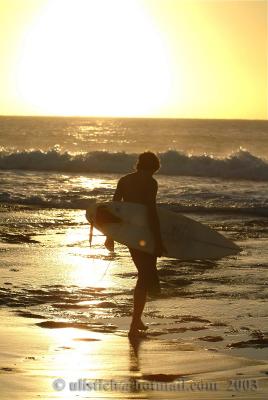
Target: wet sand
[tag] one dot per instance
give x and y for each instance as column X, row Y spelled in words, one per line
column 46, row 362
column 70, row 307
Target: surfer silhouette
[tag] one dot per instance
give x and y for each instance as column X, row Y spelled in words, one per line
column 140, row 187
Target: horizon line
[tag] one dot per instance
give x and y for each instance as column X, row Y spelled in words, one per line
column 131, row 117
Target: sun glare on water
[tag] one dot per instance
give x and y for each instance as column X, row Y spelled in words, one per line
column 86, row 266
column 93, row 57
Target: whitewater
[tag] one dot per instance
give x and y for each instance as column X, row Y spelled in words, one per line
column 240, row 165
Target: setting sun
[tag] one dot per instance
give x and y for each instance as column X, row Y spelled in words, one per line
column 134, row 58
column 98, row 58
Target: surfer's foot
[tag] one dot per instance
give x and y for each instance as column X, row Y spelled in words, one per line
column 136, row 327
column 135, row 333
column 141, row 326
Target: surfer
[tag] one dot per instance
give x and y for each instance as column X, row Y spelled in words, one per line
column 140, row 187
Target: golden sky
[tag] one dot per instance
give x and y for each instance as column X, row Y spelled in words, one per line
column 157, row 58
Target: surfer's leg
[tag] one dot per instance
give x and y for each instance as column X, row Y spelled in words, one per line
column 147, row 278
column 140, row 292
column 147, row 271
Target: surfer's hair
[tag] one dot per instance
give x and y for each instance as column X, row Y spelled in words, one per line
column 148, row 161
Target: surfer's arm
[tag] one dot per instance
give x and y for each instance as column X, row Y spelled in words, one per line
column 118, row 192
column 109, row 242
column 153, row 219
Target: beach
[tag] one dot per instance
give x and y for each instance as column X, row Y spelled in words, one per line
column 67, row 309
column 79, row 363
column 66, row 306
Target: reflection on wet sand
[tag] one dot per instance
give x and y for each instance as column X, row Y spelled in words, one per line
column 67, row 362
column 134, row 345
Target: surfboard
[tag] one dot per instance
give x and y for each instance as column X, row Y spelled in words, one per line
column 183, row 237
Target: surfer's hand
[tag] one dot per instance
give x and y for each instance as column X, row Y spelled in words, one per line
column 109, row 244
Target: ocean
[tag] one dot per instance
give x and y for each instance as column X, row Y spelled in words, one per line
column 214, row 171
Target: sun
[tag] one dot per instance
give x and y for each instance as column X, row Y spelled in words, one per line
column 93, row 57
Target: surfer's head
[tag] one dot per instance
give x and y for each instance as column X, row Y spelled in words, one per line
column 148, row 161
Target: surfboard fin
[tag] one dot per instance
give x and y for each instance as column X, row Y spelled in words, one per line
column 91, row 233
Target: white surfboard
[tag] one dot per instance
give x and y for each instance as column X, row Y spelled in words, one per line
column 183, row 238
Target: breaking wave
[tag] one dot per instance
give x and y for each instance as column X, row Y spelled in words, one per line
column 239, row 165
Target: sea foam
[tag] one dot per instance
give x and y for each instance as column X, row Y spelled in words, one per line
column 239, row 165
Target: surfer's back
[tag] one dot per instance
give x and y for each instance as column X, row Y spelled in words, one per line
column 136, row 187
